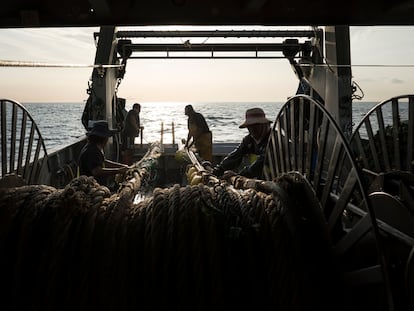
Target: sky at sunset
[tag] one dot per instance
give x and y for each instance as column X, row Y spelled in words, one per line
column 207, row 80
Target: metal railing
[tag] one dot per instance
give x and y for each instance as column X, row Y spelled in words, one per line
column 163, row 130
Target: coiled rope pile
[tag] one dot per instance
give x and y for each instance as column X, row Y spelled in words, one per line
column 183, row 248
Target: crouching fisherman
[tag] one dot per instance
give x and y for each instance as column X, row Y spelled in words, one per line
column 92, row 161
column 252, row 146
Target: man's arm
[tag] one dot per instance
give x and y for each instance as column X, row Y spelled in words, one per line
column 190, row 133
column 189, row 143
column 232, row 160
column 254, row 170
column 111, row 169
column 113, row 164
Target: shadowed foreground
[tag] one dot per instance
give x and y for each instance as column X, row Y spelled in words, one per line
column 184, row 248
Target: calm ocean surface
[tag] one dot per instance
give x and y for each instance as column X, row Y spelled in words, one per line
column 60, row 124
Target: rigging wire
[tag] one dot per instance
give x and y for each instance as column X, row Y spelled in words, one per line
column 359, row 65
column 355, row 88
column 8, row 63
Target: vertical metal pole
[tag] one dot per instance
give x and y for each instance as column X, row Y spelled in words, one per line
column 173, row 133
column 338, row 95
column 162, row 133
column 104, row 80
column 333, row 82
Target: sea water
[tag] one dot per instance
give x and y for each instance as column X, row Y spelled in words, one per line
column 60, row 123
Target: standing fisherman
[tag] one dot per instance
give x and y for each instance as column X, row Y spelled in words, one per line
column 132, row 126
column 200, row 133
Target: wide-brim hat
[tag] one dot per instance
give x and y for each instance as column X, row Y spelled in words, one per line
column 255, row 116
column 100, row 128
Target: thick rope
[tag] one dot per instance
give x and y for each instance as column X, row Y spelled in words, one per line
column 194, row 247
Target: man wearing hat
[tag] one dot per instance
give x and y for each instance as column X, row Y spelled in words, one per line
column 92, row 161
column 253, row 145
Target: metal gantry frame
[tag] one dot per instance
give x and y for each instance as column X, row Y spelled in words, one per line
column 128, row 49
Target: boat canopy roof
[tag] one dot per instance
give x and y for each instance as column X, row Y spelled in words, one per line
column 85, row 13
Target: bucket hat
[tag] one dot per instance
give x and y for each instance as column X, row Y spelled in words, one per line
column 254, row 116
column 100, row 128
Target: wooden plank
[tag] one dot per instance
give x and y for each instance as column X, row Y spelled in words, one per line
column 332, row 170
column 21, row 144
column 371, row 143
column 13, row 138
column 3, row 138
column 26, row 173
column 410, row 136
column 382, row 137
column 395, row 133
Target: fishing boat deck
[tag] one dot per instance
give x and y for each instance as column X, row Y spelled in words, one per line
column 219, row 149
column 170, row 169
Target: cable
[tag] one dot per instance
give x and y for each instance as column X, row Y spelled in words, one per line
column 356, row 87
column 10, row 63
column 358, row 65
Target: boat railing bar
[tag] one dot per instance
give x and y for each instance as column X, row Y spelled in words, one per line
column 173, row 133
column 162, row 134
column 163, row 130
column 217, row 34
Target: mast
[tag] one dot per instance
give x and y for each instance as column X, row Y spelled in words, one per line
column 328, row 73
column 102, row 89
column 104, row 79
column 338, row 83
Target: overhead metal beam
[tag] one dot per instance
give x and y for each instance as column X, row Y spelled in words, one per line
column 195, row 50
column 218, row 34
column 217, row 47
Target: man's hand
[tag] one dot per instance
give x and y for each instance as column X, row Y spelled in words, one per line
column 123, row 169
column 218, row 171
column 228, row 174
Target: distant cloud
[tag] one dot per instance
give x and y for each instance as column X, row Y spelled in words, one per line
column 365, row 80
column 381, row 80
column 53, row 45
column 396, row 81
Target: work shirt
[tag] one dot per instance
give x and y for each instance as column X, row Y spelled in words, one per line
column 248, row 147
column 132, row 124
column 197, row 125
column 91, row 157
column 202, row 137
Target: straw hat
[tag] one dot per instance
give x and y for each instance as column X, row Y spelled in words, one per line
column 100, row 128
column 254, row 116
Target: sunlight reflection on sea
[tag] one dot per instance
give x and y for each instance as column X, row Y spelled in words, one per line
column 60, row 123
